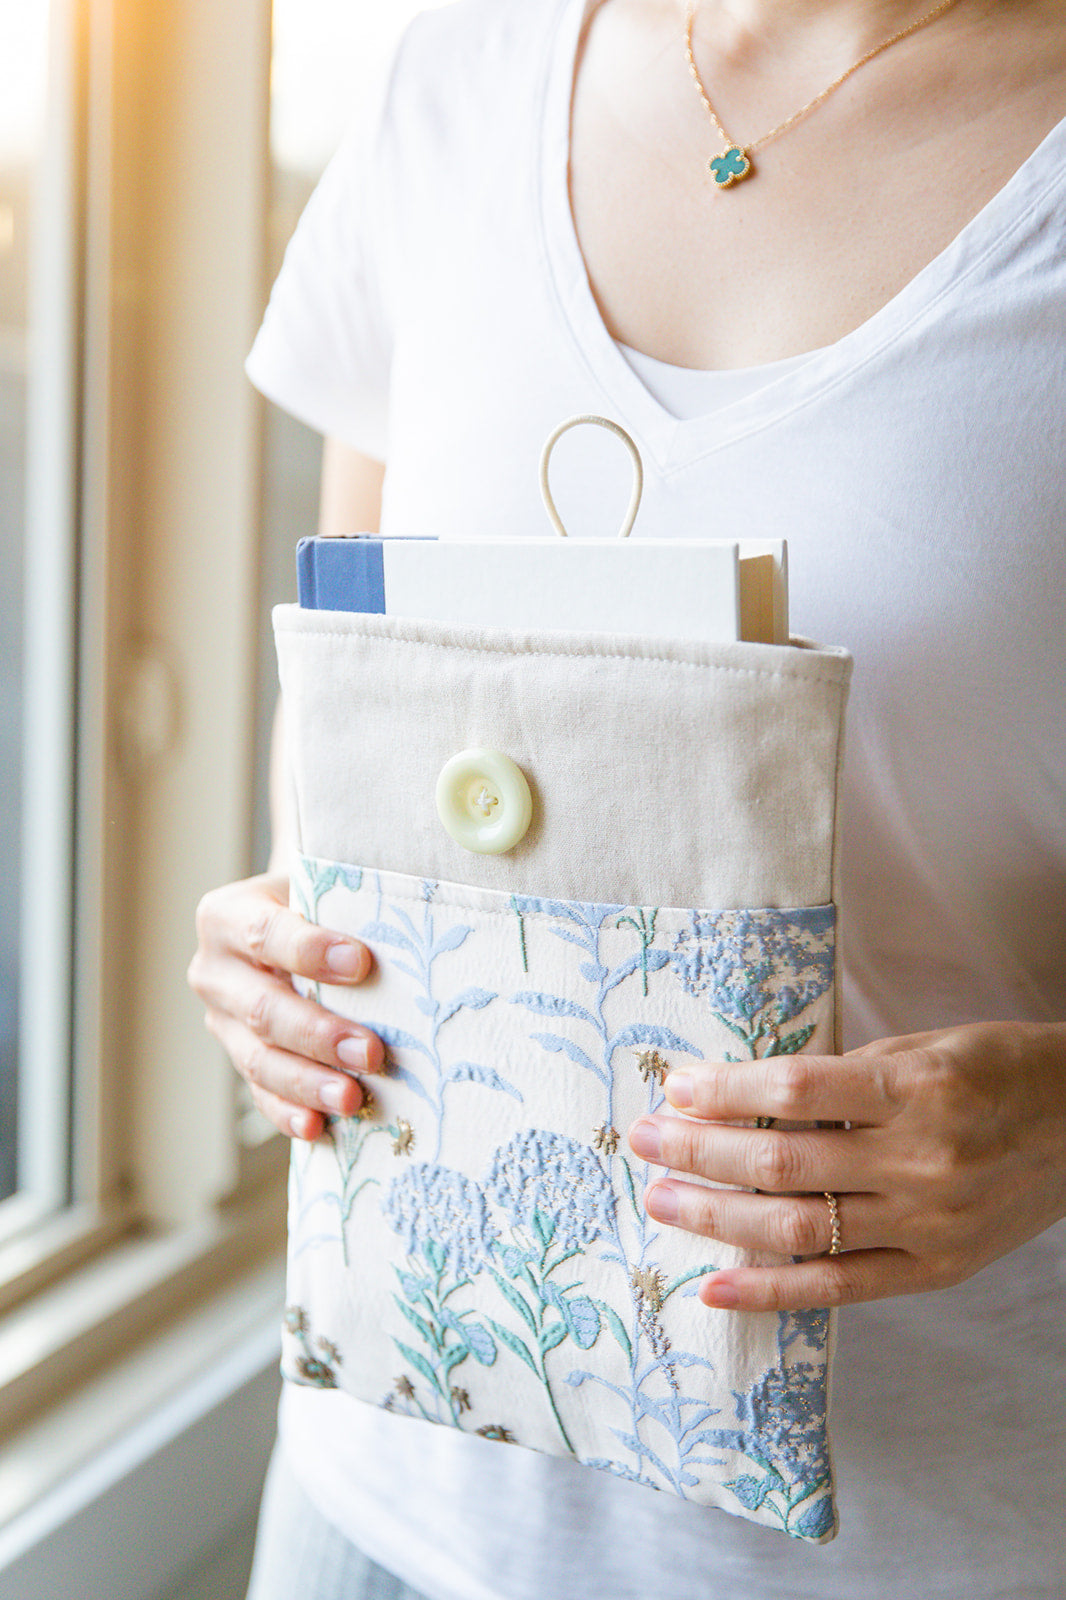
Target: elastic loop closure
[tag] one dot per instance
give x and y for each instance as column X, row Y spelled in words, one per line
column 638, row 471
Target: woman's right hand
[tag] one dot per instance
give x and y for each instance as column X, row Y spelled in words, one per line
column 296, row 1057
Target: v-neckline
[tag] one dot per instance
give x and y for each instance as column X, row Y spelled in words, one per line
column 674, row 444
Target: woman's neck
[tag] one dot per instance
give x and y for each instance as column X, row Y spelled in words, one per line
column 749, row 31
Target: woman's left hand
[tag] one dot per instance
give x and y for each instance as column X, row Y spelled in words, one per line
column 955, row 1154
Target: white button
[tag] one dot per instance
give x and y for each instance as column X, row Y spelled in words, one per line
column 483, row 800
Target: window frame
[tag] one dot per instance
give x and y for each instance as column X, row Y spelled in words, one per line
column 161, row 1203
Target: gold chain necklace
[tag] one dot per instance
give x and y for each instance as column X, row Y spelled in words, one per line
column 734, row 163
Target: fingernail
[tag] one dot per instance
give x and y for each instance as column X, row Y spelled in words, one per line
column 346, row 960
column 354, row 1053
column 662, row 1203
column 646, row 1140
column 331, row 1095
column 723, row 1295
column 678, row 1087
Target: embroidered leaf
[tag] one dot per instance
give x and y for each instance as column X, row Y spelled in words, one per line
column 454, row 1357
column 639, row 1448
column 413, row 1083
column 777, row 1483
column 383, row 933
column 401, row 916
column 582, row 1321
column 631, row 1190
column 552, row 1296
column 792, row 1042
column 687, row 1277
column 703, row 1416
column 416, row 1321
column 585, row 940
column 451, row 940
column 806, row 1490
column 512, row 1260
column 398, row 1038
column 480, row 1342
column 414, row 1288
column 686, row 1359
column 434, row 1254
column 514, row 1299
column 575, row 1250
column 815, row 1523
column 330, row 873
column 550, row 1005
column 553, row 1334
column 650, row 961
column 470, row 1000
column 560, row 1046
column 417, row 973
column 650, row 1033
column 527, row 1277
column 592, row 972
column 625, row 969
column 543, row 1227
column 420, row 1364
column 473, row 1072
column 513, row 1343
column 425, row 1005
column 614, row 1322
column 738, row 1032
column 751, row 1492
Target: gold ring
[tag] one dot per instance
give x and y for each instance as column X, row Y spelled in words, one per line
column 835, row 1244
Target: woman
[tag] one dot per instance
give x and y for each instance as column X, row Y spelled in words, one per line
column 847, row 330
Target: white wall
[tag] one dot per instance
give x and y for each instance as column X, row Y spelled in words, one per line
column 166, row 1508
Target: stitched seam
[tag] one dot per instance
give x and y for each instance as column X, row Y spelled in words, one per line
column 561, row 655
column 547, row 916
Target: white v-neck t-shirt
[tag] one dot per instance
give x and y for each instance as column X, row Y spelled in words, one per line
column 688, row 393
column 434, row 310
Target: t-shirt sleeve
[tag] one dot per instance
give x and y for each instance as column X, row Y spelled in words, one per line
column 324, row 350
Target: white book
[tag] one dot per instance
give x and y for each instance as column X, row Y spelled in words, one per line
column 711, row 590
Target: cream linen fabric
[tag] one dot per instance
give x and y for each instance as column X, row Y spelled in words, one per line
column 473, row 1248
column 663, row 773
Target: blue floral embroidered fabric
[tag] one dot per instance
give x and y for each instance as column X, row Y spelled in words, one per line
column 472, row 1248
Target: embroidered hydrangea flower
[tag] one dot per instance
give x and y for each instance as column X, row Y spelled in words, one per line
column 782, row 1422
column 812, row 1327
column 549, row 1174
column 752, row 967
column 434, row 1206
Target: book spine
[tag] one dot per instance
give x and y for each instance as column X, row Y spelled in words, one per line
column 359, row 584
column 341, row 575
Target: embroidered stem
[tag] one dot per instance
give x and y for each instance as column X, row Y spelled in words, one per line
column 521, row 933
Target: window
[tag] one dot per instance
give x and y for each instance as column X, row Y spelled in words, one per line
column 141, row 221
column 132, row 274
column 38, row 256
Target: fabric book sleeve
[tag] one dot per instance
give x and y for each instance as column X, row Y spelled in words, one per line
column 472, row 1247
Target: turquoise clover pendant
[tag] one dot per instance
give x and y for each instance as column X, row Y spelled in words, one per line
column 732, row 166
